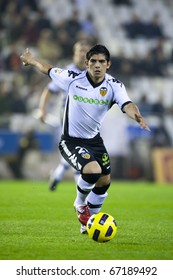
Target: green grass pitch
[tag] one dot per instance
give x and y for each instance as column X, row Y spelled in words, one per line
column 36, row 224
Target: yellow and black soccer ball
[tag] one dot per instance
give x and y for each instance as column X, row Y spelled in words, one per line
column 101, row 227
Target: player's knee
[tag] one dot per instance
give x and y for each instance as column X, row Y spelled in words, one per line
column 91, row 178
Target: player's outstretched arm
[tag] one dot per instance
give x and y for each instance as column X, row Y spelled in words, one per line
column 45, row 96
column 27, row 58
column 133, row 112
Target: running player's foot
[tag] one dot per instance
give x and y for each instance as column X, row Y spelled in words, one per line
column 83, row 213
column 53, row 185
column 83, row 229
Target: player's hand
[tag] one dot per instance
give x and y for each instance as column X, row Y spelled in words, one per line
column 41, row 115
column 26, row 57
column 141, row 122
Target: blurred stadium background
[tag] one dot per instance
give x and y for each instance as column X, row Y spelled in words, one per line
column 139, row 35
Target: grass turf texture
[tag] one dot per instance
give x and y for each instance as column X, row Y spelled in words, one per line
column 36, row 224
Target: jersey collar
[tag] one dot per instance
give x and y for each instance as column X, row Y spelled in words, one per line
column 91, row 81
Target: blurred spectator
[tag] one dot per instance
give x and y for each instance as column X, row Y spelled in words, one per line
column 123, row 66
column 150, row 66
column 160, row 57
column 135, row 28
column 88, row 26
column 10, row 99
column 161, row 137
column 18, row 104
column 5, row 99
column 43, row 21
column 3, row 5
column 13, row 28
column 33, row 4
column 64, row 42
column 31, row 31
column 153, row 29
column 26, row 143
column 145, row 106
column 148, row 108
column 122, row 2
column 12, row 60
column 10, row 21
column 48, row 48
column 73, row 26
column 158, row 108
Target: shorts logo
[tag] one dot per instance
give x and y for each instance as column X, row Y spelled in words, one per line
column 103, row 91
column 105, row 159
column 83, row 152
column 85, row 155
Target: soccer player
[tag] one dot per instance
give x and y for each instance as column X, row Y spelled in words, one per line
column 79, row 53
column 90, row 95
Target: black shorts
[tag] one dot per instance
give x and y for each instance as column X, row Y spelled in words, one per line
column 78, row 152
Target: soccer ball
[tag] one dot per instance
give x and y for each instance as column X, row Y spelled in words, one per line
column 101, row 227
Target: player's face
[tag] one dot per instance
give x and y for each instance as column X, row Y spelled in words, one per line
column 97, row 67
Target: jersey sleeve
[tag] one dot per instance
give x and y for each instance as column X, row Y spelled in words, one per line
column 120, row 95
column 60, row 78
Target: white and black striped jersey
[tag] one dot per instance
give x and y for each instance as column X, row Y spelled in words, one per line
column 87, row 103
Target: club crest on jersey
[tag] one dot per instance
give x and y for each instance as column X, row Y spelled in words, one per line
column 103, row 91
column 85, row 155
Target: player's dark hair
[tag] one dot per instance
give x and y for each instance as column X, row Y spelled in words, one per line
column 98, row 49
